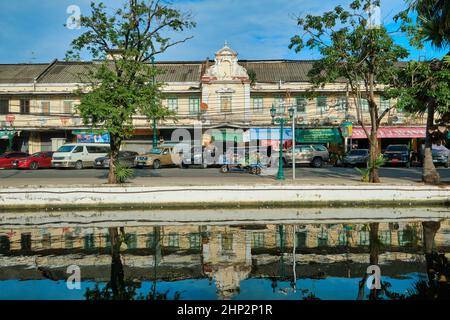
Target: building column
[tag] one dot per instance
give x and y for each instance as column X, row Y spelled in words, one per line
column 34, row 142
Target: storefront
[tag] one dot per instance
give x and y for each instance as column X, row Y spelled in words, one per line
column 412, row 136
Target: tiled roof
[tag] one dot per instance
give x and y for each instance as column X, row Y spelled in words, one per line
column 20, row 73
column 284, row 70
column 184, row 71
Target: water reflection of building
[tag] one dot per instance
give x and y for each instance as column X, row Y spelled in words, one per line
column 225, row 254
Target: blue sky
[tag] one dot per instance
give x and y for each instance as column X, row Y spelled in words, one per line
column 33, row 30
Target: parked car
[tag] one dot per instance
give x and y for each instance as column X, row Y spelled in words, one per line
column 125, row 158
column 7, row 159
column 397, row 154
column 79, row 155
column 441, row 155
column 356, row 157
column 199, row 156
column 157, row 157
column 313, row 154
column 35, row 161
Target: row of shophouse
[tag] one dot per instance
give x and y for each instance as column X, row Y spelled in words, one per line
column 37, row 104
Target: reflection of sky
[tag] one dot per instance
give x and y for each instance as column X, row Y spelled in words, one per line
column 251, row 289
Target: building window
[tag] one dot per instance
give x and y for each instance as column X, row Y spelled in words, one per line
column 258, row 240
column 322, row 238
column 194, row 105
column 342, row 104
column 364, row 238
column 194, row 241
column 258, row 104
column 25, row 241
column 301, row 105
column 68, row 240
column 131, row 240
column 89, row 242
column 279, row 105
column 343, row 239
column 385, row 237
column 226, row 103
column 4, row 106
column 384, row 103
column 364, row 103
column 67, row 107
column 227, row 242
column 174, row 240
column 301, row 239
column 322, row 106
column 172, row 104
column 45, row 107
column 280, row 236
column 5, row 244
column 24, row 106
column 150, row 242
column 46, row 241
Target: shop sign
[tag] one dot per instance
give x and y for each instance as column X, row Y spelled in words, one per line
column 347, row 129
column 92, row 136
column 318, row 136
column 7, row 133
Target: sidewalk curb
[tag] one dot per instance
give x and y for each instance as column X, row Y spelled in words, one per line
column 223, row 196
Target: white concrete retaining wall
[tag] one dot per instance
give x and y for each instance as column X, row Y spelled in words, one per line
column 219, row 195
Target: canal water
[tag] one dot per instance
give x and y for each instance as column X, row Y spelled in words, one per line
column 286, row 254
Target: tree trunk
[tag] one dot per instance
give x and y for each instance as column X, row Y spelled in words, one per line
column 429, row 174
column 374, row 252
column 374, row 176
column 115, row 147
column 430, row 228
column 117, row 274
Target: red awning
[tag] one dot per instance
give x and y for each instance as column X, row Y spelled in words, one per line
column 392, row 132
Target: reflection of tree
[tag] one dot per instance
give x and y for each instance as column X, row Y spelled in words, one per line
column 117, row 288
column 438, row 269
column 374, row 252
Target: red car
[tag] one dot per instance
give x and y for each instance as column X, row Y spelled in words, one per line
column 35, row 161
column 7, row 159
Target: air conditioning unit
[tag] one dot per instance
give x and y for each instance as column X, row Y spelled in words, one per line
column 397, row 119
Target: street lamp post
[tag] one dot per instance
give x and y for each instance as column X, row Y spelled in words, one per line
column 281, row 120
column 155, row 140
column 293, row 116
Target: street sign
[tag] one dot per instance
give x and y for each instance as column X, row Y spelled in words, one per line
column 7, row 133
column 347, row 129
column 318, row 136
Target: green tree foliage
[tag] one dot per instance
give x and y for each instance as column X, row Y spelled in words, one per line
column 431, row 23
column 357, row 51
column 120, row 87
column 425, row 85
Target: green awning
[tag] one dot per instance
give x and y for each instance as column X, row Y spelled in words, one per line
column 227, row 135
column 318, row 136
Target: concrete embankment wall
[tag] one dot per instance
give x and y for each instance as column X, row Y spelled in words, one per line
column 220, row 196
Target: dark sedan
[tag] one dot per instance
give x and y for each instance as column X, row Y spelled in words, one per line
column 356, row 157
column 126, row 158
column 397, row 154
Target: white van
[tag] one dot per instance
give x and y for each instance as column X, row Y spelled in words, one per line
column 79, row 155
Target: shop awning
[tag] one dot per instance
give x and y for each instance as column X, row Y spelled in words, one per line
column 392, row 133
column 269, row 134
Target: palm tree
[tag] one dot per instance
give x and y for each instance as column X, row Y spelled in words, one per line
column 434, row 18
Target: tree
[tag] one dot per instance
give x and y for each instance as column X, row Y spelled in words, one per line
column 423, row 88
column 357, row 51
column 120, row 86
column 429, row 81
